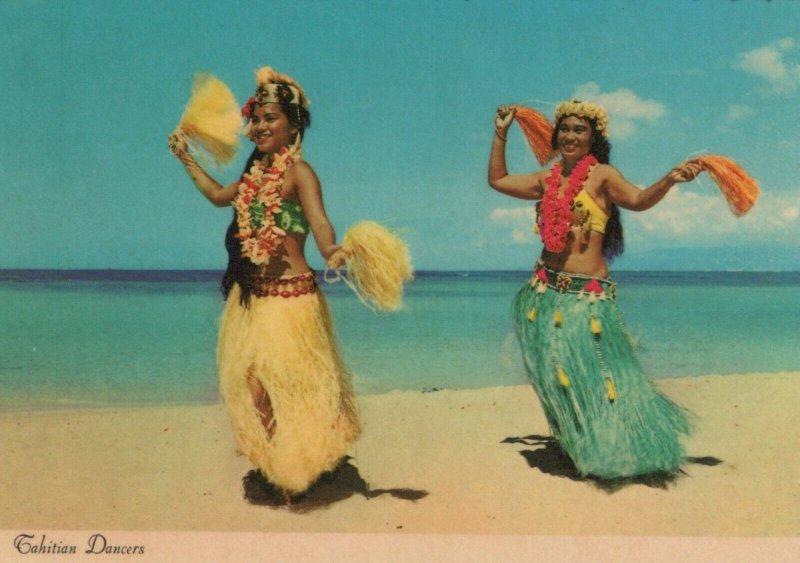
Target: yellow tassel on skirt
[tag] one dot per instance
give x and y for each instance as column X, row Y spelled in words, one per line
column 289, row 347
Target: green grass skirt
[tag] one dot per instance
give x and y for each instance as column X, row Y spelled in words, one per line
column 605, row 413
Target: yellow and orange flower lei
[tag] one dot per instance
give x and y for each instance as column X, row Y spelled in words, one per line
column 256, row 204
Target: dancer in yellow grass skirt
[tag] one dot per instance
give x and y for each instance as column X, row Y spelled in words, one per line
column 281, row 375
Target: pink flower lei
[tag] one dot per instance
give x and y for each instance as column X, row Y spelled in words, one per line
column 555, row 214
column 258, row 200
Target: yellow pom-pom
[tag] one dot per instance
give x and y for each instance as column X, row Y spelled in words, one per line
column 536, row 228
column 612, row 391
column 532, row 314
column 379, row 264
column 212, row 120
column 558, row 318
column 595, row 324
column 562, row 378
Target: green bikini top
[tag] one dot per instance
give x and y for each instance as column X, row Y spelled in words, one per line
column 291, row 217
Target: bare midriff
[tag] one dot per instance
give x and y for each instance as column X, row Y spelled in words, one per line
column 291, row 261
column 581, row 256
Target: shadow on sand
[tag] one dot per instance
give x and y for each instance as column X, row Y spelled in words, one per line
column 550, row 459
column 333, row 486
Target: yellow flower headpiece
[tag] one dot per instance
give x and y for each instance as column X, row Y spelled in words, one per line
column 588, row 110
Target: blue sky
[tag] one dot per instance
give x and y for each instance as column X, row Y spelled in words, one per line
column 403, row 96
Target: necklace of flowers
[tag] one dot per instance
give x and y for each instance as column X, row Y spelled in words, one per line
column 257, row 202
column 555, row 213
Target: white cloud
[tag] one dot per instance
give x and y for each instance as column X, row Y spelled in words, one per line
column 737, row 112
column 769, row 63
column 691, row 217
column 766, row 62
column 516, row 214
column 522, row 237
column 679, row 213
column 625, row 108
column 519, row 219
column 790, row 214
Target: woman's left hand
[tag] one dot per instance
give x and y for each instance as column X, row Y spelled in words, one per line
column 686, row 171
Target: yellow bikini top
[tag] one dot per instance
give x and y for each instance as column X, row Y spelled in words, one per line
column 587, row 214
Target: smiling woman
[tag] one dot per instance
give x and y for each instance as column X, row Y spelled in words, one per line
column 287, row 390
column 270, row 128
column 604, row 412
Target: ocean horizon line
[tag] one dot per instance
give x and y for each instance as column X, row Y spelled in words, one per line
column 200, row 275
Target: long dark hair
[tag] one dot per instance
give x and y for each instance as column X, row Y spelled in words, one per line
column 240, row 269
column 613, row 242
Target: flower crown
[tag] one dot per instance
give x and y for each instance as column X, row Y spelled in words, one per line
column 587, row 110
column 268, row 87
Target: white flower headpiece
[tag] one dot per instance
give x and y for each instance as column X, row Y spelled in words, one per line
column 588, row 110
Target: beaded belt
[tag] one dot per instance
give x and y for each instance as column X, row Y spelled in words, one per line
column 295, row 286
column 566, row 282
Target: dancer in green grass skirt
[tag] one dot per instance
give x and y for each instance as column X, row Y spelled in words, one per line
column 604, row 412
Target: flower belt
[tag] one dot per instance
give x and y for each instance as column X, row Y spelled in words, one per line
column 566, row 282
column 295, row 286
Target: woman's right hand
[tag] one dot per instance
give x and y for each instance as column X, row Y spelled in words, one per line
column 503, row 118
column 177, row 145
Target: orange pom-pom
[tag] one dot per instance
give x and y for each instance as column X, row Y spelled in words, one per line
column 739, row 188
column 537, row 131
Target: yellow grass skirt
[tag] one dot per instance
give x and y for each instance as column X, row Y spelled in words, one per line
column 289, row 346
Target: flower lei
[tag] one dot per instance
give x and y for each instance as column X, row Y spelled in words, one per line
column 257, row 203
column 555, row 213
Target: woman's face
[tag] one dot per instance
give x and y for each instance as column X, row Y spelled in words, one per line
column 270, row 129
column 574, row 137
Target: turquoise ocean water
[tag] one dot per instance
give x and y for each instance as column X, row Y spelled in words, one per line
column 94, row 339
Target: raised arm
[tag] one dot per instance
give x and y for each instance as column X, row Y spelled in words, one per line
column 522, row 186
column 310, row 193
column 629, row 196
column 208, row 186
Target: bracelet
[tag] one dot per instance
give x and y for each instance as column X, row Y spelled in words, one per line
column 497, row 132
column 186, row 159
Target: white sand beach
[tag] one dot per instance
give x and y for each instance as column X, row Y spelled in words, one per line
column 476, row 461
